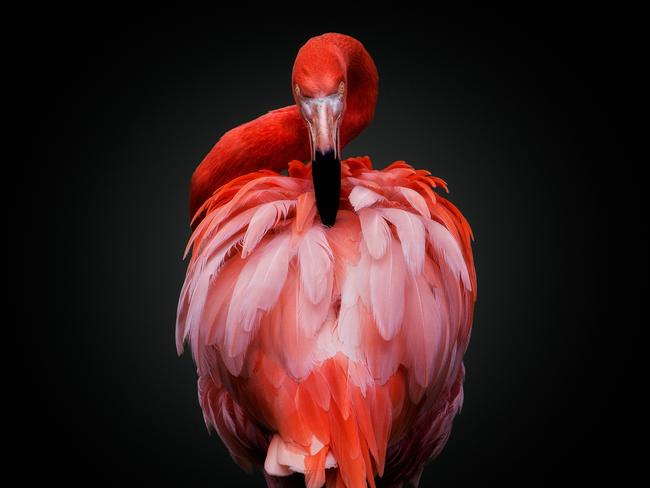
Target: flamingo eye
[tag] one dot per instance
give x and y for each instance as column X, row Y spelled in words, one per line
column 297, row 90
column 341, row 87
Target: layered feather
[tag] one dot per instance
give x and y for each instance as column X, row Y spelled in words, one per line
column 340, row 341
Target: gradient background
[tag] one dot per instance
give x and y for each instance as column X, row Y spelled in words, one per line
column 506, row 109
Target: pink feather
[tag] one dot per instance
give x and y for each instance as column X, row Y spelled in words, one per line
column 257, row 290
column 425, row 328
column 448, row 250
column 411, row 235
column 316, row 280
column 305, row 211
column 265, row 217
column 387, row 291
column 376, row 233
column 362, row 197
column 413, row 198
column 315, row 258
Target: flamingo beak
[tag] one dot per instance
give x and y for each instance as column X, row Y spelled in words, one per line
column 323, row 116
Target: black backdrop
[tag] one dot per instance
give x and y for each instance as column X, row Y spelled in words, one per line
column 506, row 109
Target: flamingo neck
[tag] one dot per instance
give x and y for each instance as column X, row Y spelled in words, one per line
column 280, row 136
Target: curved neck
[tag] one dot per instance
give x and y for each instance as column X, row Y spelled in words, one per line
column 268, row 142
column 278, row 137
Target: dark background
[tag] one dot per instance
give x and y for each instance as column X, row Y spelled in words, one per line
column 508, row 109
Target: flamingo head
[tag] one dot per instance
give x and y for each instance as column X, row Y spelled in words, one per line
column 319, row 88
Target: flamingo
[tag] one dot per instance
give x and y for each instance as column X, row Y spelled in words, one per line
column 328, row 308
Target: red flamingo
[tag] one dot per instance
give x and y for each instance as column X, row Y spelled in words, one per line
column 328, row 311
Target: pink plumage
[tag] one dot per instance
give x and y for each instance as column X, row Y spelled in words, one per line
column 333, row 351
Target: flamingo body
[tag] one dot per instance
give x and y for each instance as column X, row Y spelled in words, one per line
column 335, row 352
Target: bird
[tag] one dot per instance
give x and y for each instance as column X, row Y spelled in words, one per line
column 327, row 304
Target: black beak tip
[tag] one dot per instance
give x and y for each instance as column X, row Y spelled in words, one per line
column 328, row 219
column 326, row 174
